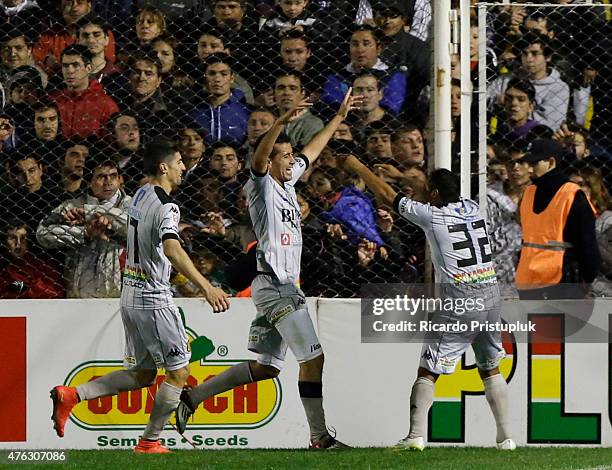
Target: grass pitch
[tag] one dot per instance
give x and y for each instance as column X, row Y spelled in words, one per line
column 433, row 458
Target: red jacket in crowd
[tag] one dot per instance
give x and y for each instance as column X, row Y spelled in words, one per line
column 31, row 278
column 84, row 114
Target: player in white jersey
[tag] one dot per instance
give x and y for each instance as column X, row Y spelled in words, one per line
column 282, row 319
column 154, row 333
column 461, row 257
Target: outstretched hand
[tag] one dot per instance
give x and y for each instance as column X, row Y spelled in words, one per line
column 217, row 298
column 349, row 103
column 295, row 112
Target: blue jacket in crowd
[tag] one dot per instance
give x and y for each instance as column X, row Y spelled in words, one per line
column 227, row 122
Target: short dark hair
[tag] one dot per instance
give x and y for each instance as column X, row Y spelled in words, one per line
column 447, row 184
column 112, row 121
column 287, row 72
column 146, row 54
column 80, row 50
column 366, row 74
column 168, row 39
column 92, row 165
column 14, row 32
column 533, row 37
column 218, row 58
column 405, row 129
column 69, row 143
column 23, row 152
column 157, row 151
column 94, row 20
column 295, row 34
column 45, row 104
column 281, row 139
column 376, row 32
column 523, row 85
column 261, row 109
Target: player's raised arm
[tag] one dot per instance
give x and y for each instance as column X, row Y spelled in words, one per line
column 381, row 189
column 262, row 153
column 181, row 261
column 313, row 149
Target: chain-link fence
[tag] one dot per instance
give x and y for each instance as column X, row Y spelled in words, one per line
column 85, row 86
column 548, row 76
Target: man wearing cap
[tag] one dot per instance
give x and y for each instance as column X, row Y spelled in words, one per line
column 559, row 255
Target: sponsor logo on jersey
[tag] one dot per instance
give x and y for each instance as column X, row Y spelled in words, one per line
column 291, row 216
column 285, row 239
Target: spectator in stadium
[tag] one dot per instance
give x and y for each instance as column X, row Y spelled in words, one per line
column 365, row 49
column 408, row 147
column 69, row 178
column 260, row 121
column 294, row 15
column 47, row 135
column 22, row 12
column 24, row 90
column 513, row 127
column 31, row 189
column 93, row 227
column 378, row 144
column 225, row 165
column 8, row 140
column 150, row 24
column 591, row 182
column 24, row 274
column 559, row 241
column 551, row 92
column 295, row 53
column 344, row 132
column 49, row 46
column 403, row 51
column 367, row 85
column 212, row 41
column 192, row 148
column 288, row 93
column 223, row 113
column 239, row 28
column 94, row 33
column 167, row 49
column 157, row 111
column 16, row 52
column 83, row 105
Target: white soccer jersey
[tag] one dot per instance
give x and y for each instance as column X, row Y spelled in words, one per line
column 457, row 236
column 276, row 218
column 153, row 218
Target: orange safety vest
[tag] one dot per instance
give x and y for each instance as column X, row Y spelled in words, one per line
column 541, row 262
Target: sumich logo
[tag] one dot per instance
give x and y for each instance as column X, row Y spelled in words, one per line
column 245, row 407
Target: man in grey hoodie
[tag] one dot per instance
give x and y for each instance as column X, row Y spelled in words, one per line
column 551, row 93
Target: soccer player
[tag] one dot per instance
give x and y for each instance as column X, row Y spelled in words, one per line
column 282, row 319
column 458, row 241
column 154, row 333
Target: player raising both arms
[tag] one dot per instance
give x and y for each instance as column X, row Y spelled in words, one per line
column 282, row 319
column 452, row 225
column 154, row 333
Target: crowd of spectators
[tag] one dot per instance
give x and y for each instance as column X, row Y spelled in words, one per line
column 86, row 84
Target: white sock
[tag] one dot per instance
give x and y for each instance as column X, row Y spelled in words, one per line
column 109, row 384
column 421, row 399
column 496, row 391
column 166, row 400
column 239, row 374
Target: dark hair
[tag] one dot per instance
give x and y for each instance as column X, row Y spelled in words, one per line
column 69, row 143
column 14, row 222
column 447, row 184
column 405, row 129
column 295, row 34
column 378, row 127
column 146, row 54
column 159, row 150
column 261, row 109
column 287, row 72
column 80, row 50
column 523, row 85
column 200, row 132
column 168, row 39
column 367, row 74
column 533, row 37
column 218, row 58
column 94, row 20
column 91, row 165
column 536, row 15
column 376, row 32
column 14, row 32
column 44, row 104
column 112, row 121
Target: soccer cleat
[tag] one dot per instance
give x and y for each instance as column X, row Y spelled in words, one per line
column 64, row 399
column 150, row 447
column 184, row 411
column 507, row 444
column 408, row 443
column 327, row 442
